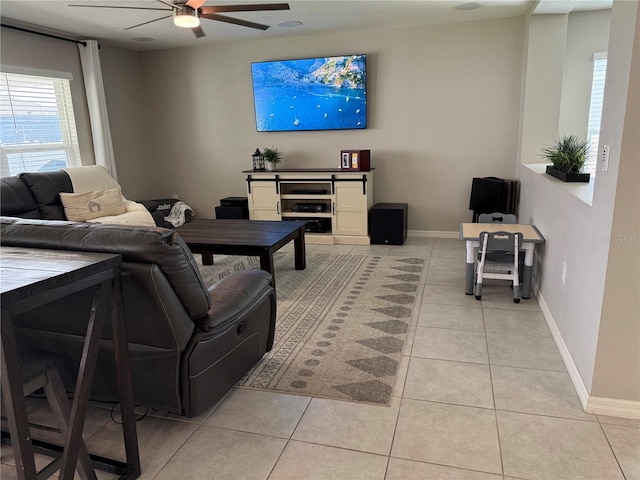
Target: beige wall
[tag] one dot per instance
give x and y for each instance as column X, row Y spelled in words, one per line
column 617, row 364
column 128, row 119
column 587, row 33
column 443, row 107
column 577, row 233
column 32, row 51
column 545, row 44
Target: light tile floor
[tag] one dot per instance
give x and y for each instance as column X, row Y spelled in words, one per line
column 482, row 393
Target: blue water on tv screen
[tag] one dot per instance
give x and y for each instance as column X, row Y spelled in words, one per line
column 326, row 93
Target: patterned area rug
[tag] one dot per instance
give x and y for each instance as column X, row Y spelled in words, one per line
column 341, row 323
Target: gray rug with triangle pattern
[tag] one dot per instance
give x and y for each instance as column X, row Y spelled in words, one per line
column 341, row 325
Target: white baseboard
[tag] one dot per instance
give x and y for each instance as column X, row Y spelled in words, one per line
column 433, row 234
column 576, row 378
column 614, row 407
column 595, row 405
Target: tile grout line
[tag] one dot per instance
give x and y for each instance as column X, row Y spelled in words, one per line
column 493, row 394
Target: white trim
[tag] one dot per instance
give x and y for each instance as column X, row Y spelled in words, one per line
column 576, row 378
column 433, row 234
column 596, row 405
column 38, row 72
column 614, row 407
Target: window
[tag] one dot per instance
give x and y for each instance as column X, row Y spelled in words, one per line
column 595, row 109
column 37, row 125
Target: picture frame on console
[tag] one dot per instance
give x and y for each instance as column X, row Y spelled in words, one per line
column 358, row 160
column 345, row 163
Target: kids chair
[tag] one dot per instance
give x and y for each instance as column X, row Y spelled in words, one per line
column 497, row 217
column 498, row 259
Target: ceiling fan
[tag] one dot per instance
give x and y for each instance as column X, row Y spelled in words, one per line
column 187, row 14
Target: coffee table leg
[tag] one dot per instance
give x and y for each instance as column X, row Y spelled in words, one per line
column 299, row 251
column 207, row 258
column 266, row 264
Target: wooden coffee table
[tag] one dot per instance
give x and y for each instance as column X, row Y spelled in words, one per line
column 245, row 237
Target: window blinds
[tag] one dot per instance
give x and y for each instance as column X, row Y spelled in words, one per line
column 595, row 108
column 37, row 125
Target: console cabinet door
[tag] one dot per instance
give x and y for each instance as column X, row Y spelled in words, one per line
column 350, row 209
column 264, row 201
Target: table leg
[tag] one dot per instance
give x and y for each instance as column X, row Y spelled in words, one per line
column 469, row 268
column 266, row 264
column 125, row 388
column 299, row 250
column 14, row 402
column 207, row 258
column 73, row 438
column 527, row 270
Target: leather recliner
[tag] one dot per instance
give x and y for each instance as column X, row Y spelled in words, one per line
column 189, row 343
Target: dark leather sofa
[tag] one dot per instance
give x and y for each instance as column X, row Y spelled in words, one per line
column 189, row 343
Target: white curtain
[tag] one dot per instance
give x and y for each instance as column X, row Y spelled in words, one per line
column 102, row 146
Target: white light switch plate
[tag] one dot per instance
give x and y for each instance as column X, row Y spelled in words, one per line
column 604, row 158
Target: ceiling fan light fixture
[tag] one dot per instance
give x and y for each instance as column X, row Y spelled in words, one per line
column 186, row 18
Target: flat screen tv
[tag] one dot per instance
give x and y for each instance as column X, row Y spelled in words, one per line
column 324, row 93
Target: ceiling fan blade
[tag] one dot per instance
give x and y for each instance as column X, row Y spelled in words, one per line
column 150, row 21
column 131, row 8
column 198, row 32
column 245, row 8
column 235, row 21
column 195, row 4
column 170, row 4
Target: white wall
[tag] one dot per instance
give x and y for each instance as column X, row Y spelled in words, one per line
column 575, row 232
column 443, row 107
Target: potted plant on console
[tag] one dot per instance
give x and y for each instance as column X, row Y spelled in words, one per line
column 273, row 157
column 567, row 156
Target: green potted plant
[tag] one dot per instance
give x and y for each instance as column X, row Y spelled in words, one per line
column 272, row 156
column 567, row 156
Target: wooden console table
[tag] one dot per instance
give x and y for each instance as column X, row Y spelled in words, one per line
column 32, row 278
column 335, row 202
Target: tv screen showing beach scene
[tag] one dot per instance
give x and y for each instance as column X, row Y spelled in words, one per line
column 324, row 93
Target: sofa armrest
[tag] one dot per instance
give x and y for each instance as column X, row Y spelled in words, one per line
column 234, row 296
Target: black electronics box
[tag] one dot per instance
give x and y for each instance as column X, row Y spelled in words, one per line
column 233, row 207
column 235, row 202
column 388, row 223
column 309, row 191
column 315, row 225
column 232, row 212
column 309, row 207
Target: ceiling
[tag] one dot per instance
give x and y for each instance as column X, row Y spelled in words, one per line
column 108, row 24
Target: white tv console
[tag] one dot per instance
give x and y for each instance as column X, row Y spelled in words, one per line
column 343, row 199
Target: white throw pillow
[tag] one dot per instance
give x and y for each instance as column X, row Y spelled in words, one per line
column 79, row 207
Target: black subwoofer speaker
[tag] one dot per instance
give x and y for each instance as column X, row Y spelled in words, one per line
column 231, row 212
column 388, row 223
column 233, row 207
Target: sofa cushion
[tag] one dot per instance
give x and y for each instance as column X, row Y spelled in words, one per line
column 136, row 244
column 80, row 207
column 16, row 199
column 46, row 188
